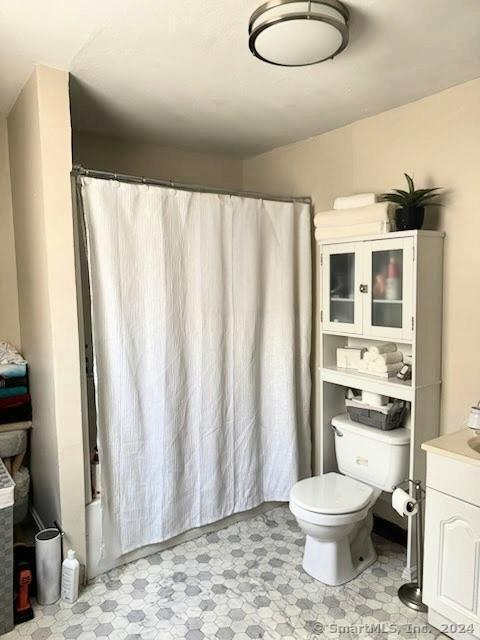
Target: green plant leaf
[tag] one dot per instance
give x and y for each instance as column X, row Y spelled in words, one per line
column 411, row 198
column 424, row 192
column 409, row 180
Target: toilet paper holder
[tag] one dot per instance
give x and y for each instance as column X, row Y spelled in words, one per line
column 411, row 593
column 406, row 485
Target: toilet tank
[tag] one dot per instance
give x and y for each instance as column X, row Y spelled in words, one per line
column 378, row 458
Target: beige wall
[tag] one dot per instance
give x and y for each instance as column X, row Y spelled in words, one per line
column 40, row 162
column 9, row 323
column 437, row 140
column 153, row 161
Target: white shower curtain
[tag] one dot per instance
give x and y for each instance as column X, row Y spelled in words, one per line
column 201, row 314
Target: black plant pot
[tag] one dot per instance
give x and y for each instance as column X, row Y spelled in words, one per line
column 409, row 218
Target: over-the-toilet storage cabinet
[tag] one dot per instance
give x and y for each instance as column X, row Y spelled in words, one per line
column 356, row 309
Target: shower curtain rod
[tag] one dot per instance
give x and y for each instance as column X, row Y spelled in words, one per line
column 79, row 171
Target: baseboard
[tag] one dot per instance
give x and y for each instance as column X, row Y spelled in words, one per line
column 389, row 530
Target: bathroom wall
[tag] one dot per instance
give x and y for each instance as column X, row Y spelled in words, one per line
column 154, row 161
column 437, row 140
column 9, row 322
column 40, row 161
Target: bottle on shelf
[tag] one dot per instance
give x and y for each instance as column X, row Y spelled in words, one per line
column 393, row 284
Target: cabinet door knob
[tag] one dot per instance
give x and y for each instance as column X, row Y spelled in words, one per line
column 364, row 288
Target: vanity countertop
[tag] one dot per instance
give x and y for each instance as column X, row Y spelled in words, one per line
column 462, row 445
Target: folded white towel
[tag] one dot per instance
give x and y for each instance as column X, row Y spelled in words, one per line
column 383, row 347
column 379, row 212
column 358, row 200
column 370, row 228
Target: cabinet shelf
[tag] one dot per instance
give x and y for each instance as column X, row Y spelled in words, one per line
column 382, row 301
column 392, row 387
column 342, row 299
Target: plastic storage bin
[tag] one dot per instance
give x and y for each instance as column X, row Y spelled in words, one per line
column 386, row 418
column 6, row 550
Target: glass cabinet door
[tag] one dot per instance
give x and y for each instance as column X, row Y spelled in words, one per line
column 389, row 288
column 341, row 278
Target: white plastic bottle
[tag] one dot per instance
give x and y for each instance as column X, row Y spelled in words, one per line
column 70, row 577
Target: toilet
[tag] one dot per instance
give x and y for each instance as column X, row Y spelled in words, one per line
column 334, row 510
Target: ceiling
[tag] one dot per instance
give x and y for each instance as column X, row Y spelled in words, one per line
column 180, row 73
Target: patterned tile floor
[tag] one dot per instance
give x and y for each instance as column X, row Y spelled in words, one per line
column 241, row 583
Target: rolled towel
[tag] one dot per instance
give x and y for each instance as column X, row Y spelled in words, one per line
column 378, row 212
column 383, row 347
column 388, row 358
column 383, row 367
column 358, row 200
column 370, row 228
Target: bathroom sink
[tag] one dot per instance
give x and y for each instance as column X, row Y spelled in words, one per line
column 474, row 443
column 462, row 445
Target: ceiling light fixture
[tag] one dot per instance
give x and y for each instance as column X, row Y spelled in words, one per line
column 297, row 33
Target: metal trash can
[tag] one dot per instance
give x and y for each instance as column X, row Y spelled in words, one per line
column 48, row 560
column 6, row 550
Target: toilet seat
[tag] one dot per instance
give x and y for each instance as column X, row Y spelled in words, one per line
column 328, row 520
column 331, row 495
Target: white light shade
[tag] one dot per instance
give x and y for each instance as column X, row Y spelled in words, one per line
column 297, row 33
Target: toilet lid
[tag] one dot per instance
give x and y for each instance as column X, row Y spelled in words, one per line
column 331, row 493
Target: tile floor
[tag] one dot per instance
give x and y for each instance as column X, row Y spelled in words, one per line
column 241, row 583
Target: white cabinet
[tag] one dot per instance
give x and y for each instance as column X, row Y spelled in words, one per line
column 368, row 288
column 372, row 289
column 452, row 552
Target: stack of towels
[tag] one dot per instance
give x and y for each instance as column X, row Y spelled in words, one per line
column 352, row 216
column 15, row 401
column 383, row 360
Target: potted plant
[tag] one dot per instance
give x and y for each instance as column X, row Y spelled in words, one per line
column 410, row 212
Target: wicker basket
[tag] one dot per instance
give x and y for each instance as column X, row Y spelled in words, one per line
column 386, row 418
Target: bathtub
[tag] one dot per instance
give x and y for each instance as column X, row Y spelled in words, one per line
column 97, row 565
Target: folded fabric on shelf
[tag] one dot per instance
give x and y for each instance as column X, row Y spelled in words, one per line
column 9, row 392
column 10, row 355
column 21, row 413
column 370, row 228
column 14, row 401
column 379, row 212
column 12, row 382
column 13, row 370
column 357, row 200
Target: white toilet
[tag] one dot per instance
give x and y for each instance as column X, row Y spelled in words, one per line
column 335, row 511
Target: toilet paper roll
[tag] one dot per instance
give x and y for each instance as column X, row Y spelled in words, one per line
column 375, row 399
column 404, row 504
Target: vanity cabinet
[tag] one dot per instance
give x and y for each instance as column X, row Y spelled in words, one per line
column 452, row 546
column 368, row 288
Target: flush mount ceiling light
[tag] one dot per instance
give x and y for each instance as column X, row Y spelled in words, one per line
column 297, row 33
